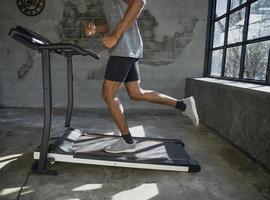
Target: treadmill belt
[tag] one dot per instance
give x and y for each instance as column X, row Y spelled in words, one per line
column 148, row 150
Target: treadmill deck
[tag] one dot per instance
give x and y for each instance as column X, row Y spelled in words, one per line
column 151, row 153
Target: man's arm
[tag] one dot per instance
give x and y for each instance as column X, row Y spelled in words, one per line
column 133, row 11
column 91, row 29
column 102, row 28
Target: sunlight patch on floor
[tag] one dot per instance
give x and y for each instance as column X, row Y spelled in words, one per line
column 4, row 160
column 8, row 191
column 88, row 187
column 143, row 192
column 26, row 192
column 73, row 199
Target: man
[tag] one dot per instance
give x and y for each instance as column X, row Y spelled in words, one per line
column 122, row 38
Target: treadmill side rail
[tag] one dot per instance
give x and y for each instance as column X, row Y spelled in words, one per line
column 71, row 159
column 194, row 166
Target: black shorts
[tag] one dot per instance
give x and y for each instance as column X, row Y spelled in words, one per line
column 122, row 69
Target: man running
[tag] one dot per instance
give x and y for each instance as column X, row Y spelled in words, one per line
column 122, row 38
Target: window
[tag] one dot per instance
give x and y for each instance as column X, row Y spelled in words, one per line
column 238, row 44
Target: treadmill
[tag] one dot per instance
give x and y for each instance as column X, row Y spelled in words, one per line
column 73, row 145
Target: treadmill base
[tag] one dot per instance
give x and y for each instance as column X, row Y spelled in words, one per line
column 74, row 146
column 71, row 159
column 36, row 171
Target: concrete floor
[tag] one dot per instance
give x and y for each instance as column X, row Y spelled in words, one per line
column 226, row 174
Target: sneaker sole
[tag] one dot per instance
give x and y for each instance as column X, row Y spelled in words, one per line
column 194, row 110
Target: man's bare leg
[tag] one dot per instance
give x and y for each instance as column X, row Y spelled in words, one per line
column 110, row 88
column 187, row 105
column 109, row 92
column 126, row 142
column 136, row 93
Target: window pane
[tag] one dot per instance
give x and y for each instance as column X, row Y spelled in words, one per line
column 219, row 30
column 259, row 21
column 232, row 65
column 256, row 60
column 221, row 7
column 236, row 3
column 236, row 26
column 216, row 63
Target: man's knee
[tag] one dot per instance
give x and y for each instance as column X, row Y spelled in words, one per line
column 107, row 94
column 136, row 96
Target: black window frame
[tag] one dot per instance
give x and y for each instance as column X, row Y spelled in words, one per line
column 210, row 39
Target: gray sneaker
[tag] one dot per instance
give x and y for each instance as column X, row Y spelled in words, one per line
column 120, row 146
column 191, row 110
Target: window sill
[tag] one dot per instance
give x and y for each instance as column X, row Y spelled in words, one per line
column 250, row 86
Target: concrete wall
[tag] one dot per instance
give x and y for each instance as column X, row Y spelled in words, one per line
column 173, row 32
column 239, row 112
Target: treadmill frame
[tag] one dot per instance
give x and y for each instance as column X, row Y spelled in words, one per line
column 71, row 159
column 43, row 154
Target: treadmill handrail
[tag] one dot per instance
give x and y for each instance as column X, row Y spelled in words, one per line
column 72, row 47
column 34, row 41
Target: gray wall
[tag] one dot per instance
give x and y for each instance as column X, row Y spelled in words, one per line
column 173, row 32
column 241, row 115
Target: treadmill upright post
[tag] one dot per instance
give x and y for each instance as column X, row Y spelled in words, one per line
column 70, row 90
column 40, row 167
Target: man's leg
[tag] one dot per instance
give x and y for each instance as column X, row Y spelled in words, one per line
column 110, row 88
column 126, row 142
column 187, row 106
column 136, row 93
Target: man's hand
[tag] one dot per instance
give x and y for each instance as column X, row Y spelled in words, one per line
column 90, row 29
column 109, row 41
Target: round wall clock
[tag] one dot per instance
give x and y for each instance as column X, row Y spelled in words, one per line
column 31, row 7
